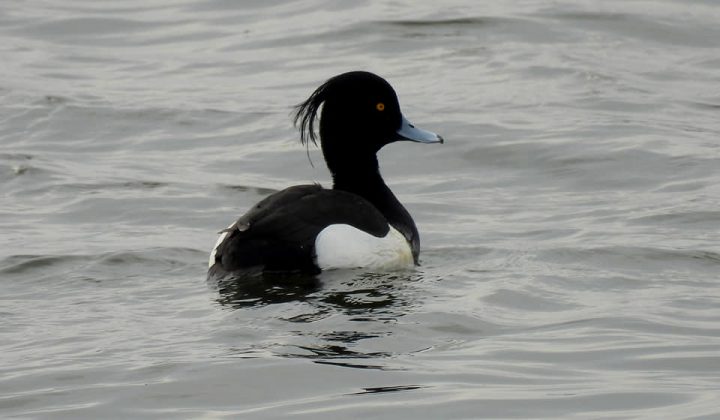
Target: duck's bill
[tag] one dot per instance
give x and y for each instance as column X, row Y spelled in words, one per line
column 409, row 132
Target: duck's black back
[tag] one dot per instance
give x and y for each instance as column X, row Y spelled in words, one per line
column 278, row 234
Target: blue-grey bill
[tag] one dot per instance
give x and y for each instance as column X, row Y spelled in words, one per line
column 408, row 131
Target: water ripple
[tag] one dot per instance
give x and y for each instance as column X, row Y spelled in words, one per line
column 569, row 225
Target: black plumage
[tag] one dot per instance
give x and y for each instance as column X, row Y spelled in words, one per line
column 278, row 234
column 360, row 114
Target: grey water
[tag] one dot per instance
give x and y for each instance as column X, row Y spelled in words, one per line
column 570, row 224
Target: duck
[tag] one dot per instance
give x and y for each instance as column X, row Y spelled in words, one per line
column 358, row 223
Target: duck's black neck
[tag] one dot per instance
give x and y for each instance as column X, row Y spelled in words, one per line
column 362, row 177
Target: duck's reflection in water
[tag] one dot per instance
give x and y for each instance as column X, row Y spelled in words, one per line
column 332, row 313
column 248, row 291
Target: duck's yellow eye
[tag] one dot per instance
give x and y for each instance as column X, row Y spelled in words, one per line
column 380, row 106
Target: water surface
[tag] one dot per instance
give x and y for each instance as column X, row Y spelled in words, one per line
column 570, row 224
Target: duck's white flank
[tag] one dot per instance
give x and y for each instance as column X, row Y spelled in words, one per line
column 343, row 246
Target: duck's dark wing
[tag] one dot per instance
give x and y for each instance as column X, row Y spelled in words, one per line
column 278, row 234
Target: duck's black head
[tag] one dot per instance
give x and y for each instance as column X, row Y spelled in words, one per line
column 360, row 114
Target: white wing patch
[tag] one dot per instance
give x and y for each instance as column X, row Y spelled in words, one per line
column 344, row 246
column 211, row 261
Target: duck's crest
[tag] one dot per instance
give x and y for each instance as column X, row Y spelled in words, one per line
column 306, row 114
